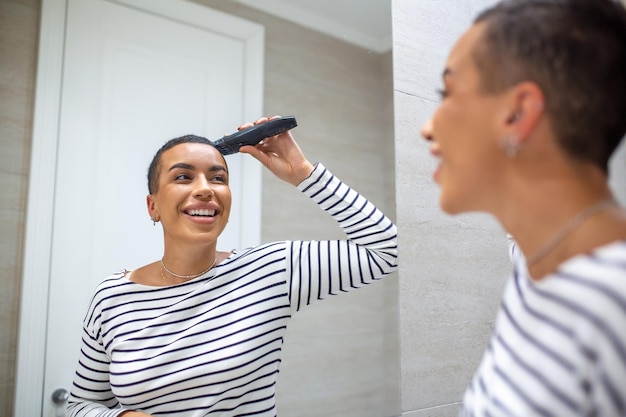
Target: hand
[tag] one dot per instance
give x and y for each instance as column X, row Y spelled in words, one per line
column 280, row 154
column 134, row 414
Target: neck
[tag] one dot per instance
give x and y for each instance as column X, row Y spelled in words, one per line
column 187, row 259
column 550, row 239
column 552, row 219
column 569, row 228
column 165, row 269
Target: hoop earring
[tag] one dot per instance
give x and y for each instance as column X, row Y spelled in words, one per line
column 510, row 144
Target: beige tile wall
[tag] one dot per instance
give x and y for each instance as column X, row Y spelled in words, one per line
column 18, row 39
column 341, row 356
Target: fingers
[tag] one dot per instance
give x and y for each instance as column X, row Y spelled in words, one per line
column 256, row 122
column 251, row 150
column 245, row 126
column 261, row 156
column 269, row 150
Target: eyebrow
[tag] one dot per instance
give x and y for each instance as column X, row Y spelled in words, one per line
column 446, row 73
column 183, row 165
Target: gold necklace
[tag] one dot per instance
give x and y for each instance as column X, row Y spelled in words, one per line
column 567, row 229
column 185, row 276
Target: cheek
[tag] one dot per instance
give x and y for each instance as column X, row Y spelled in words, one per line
column 227, row 199
column 453, row 130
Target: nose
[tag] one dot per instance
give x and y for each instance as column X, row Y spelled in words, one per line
column 203, row 187
column 427, row 130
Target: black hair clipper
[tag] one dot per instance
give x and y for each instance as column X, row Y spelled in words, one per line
column 252, row 135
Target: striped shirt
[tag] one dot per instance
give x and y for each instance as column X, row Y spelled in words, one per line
column 559, row 346
column 211, row 346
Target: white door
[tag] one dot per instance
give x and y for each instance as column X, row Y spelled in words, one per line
column 134, row 74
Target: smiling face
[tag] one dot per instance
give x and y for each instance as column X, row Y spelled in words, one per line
column 193, row 199
column 464, row 133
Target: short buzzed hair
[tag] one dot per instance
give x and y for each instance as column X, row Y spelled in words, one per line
column 575, row 51
column 154, row 170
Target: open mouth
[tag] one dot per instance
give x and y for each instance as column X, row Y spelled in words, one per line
column 201, row 213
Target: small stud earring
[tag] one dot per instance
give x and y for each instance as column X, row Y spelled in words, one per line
column 510, row 144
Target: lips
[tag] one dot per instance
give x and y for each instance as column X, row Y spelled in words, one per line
column 201, row 212
column 436, row 152
column 437, row 173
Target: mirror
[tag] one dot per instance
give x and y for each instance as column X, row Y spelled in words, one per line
column 340, row 355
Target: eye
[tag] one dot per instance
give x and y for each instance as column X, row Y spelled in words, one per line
column 222, row 179
column 442, row 93
column 181, row 177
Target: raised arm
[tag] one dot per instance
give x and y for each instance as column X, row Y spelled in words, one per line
column 370, row 252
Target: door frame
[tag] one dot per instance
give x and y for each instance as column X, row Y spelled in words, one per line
column 32, row 337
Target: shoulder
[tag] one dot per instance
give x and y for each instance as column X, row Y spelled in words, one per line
column 253, row 254
column 115, row 287
column 593, row 288
column 113, row 282
column 586, row 292
column 105, row 291
column 604, row 268
column 613, row 253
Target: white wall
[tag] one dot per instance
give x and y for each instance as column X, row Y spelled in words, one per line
column 452, row 269
column 340, row 357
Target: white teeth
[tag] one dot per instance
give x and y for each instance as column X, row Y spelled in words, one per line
column 202, row 212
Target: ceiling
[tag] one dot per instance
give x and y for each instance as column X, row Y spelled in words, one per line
column 366, row 23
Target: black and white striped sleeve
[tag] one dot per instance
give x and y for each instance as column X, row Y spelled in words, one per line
column 322, row 268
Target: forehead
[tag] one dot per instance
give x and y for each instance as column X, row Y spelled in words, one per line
column 193, row 153
column 461, row 58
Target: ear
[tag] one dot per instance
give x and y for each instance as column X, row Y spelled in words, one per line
column 525, row 110
column 152, row 210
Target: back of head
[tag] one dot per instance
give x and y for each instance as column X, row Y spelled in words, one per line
column 575, row 50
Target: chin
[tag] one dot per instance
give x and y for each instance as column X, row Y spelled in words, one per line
column 451, row 206
column 449, row 210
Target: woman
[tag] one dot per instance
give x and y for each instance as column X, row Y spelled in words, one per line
column 199, row 332
column 533, row 106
